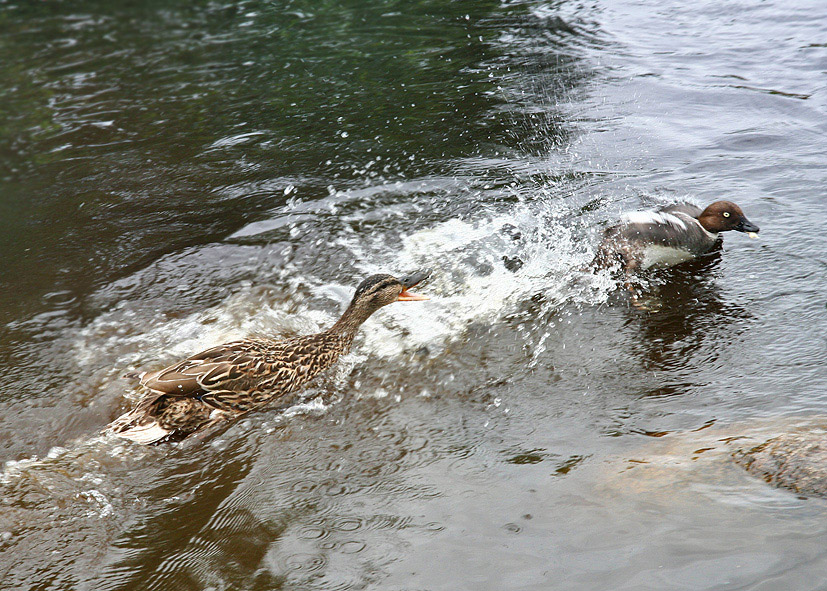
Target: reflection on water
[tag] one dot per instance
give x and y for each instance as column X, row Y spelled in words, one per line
column 687, row 316
column 175, row 177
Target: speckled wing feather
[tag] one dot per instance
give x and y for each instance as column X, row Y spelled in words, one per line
column 243, row 374
column 212, row 368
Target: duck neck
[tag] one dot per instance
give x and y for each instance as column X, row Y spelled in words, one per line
column 348, row 325
column 704, row 221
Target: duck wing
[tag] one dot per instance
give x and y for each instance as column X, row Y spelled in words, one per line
column 230, row 366
column 238, row 366
column 686, row 208
column 242, row 374
column 663, row 228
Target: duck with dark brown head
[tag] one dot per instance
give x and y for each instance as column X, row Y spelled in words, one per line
column 670, row 235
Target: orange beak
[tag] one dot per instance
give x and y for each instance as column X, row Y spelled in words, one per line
column 407, row 296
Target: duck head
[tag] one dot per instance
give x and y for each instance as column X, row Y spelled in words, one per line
column 722, row 216
column 380, row 290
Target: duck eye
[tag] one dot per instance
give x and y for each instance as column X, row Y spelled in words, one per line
column 726, row 214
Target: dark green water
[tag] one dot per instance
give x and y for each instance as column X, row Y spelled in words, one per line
column 175, row 175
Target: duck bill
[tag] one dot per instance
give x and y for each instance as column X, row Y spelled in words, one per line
column 407, row 296
column 747, row 226
column 413, row 280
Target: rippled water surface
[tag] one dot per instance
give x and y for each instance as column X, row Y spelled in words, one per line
column 174, row 175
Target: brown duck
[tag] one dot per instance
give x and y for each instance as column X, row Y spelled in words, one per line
column 227, row 381
column 670, row 235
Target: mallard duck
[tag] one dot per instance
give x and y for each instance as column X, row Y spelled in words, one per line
column 202, row 391
column 670, row 235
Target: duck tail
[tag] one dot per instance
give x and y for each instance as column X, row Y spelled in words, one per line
column 134, row 375
column 144, row 433
column 138, row 425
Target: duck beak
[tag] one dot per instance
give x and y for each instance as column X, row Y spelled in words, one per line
column 410, row 281
column 746, row 226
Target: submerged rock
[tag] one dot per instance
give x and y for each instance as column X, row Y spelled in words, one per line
column 785, row 452
column 796, row 461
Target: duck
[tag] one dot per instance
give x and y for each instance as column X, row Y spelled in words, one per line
column 196, row 395
column 670, row 235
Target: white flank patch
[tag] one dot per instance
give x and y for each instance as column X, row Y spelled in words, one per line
column 664, row 256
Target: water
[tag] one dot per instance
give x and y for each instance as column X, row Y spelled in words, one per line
column 175, row 176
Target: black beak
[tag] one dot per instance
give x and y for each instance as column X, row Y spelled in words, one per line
column 415, row 278
column 746, row 226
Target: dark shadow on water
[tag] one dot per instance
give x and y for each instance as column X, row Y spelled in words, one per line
column 158, row 127
column 681, row 312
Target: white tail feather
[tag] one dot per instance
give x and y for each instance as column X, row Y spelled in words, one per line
column 145, row 434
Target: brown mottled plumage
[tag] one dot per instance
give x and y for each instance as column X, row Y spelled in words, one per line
column 232, row 379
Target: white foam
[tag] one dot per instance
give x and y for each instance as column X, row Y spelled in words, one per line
column 102, row 506
column 317, row 404
column 470, row 282
column 239, row 316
